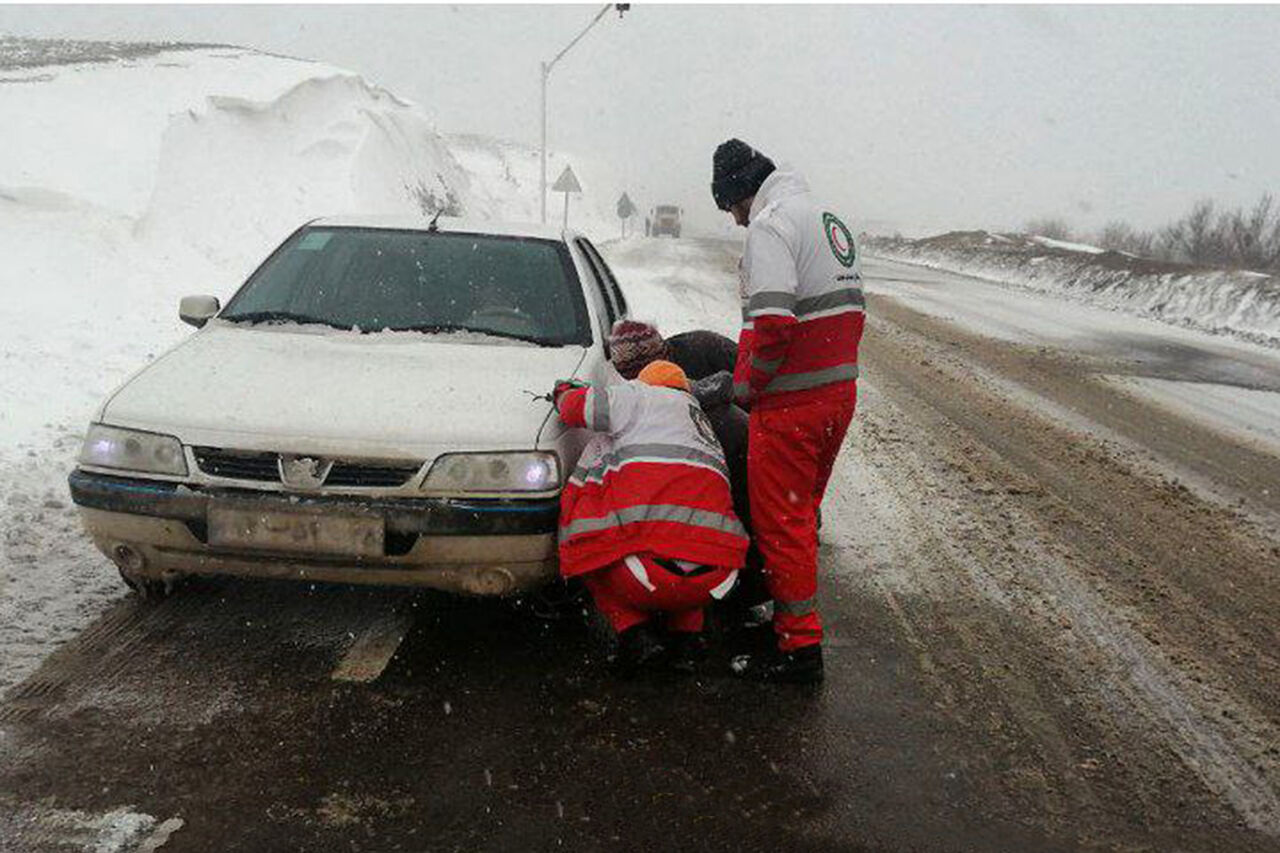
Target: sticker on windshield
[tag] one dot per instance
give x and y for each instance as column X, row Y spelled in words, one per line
column 314, row 240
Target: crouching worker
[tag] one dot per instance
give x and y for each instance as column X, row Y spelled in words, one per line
column 646, row 520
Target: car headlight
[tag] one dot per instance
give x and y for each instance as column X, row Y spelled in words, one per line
column 528, row 471
column 132, row 450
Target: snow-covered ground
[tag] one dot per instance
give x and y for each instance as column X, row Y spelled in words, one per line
column 669, row 283
column 1235, row 302
column 131, row 181
column 1229, row 384
column 505, row 176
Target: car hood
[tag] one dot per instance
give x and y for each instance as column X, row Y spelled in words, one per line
column 307, row 390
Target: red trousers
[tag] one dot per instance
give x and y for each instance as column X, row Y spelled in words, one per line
column 629, row 591
column 790, row 454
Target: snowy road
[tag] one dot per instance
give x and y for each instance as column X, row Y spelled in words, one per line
column 1049, row 578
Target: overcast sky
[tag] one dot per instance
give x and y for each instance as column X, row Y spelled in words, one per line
column 915, row 116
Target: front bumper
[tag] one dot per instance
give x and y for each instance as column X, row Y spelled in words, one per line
column 486, row 547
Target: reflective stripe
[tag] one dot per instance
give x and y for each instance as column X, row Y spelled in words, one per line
column 766, row 366
column 640, row 572
column 655, row 512
column 778, row 299
column 665, row 453
column 748, row 325
column 723, row 588
column 599, row 420
column 848, row 301
column 794, row 608
column 832, row 312
column 814, row 379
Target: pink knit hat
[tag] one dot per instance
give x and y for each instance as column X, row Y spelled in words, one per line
column 633, row 345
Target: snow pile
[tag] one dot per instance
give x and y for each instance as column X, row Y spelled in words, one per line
column 1245, row 304
column 506, row 176
column 223, row 150
column 670, row 283
column 46, row 827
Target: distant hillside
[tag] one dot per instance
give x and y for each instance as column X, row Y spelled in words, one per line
column 18, row 52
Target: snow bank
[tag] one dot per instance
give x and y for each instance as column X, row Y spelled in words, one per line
column 44, row 826
column 329, row 144
column 671, row 284
column 1244, row 304
column 506, row 176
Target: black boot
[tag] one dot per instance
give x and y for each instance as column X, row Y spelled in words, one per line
column 803, row 666
column 688, row 651
column 638, row 649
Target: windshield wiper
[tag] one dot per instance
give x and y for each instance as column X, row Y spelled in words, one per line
column 280, row 317
column 456, row 327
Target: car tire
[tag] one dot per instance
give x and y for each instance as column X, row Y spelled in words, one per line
column 149, row 589
column 559, row 601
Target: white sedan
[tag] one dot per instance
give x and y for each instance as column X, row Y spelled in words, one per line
column 364, row 409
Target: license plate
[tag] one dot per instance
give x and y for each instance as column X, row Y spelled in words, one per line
column 296, row 531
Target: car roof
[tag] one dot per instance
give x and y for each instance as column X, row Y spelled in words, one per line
column 446, row 224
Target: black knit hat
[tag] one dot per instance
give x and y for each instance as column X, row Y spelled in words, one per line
column 737, row 171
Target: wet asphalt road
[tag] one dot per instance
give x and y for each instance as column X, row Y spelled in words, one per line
column 492, row 729
column 1034, row 643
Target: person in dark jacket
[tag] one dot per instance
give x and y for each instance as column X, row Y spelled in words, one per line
column 700, row 353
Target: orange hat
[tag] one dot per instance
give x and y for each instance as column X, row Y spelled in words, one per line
column 664, row 374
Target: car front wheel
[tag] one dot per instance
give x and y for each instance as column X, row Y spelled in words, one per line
column 149, row 589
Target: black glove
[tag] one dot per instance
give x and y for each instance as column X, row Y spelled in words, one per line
column 714, row 390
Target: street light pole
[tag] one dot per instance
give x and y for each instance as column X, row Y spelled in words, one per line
column 546, row 74
column 545, row 71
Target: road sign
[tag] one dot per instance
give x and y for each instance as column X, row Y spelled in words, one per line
column 567, row 182
column 626, row 208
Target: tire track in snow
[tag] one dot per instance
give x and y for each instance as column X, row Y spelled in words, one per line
column 1214, row 734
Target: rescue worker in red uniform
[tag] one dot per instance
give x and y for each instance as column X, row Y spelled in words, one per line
column 803, row 312
column 707, row 359
column 646, row 519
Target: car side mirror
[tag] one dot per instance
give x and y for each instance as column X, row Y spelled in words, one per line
column 196, row 310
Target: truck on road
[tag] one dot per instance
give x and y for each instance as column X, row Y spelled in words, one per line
column 665, row 219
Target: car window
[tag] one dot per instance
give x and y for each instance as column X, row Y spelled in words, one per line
column 611, row 283
column 373, row 279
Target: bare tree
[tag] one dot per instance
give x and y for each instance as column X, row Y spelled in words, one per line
column 1123, row 237
column 1192, row 237
column 1244, row 238
column 1249, row 236
column 1049, row 226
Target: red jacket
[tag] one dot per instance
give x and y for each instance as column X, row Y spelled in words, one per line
column 654, row 480
column 803, row 305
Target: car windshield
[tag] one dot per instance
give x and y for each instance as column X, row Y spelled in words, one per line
column 375, row 279
column 664, row 210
